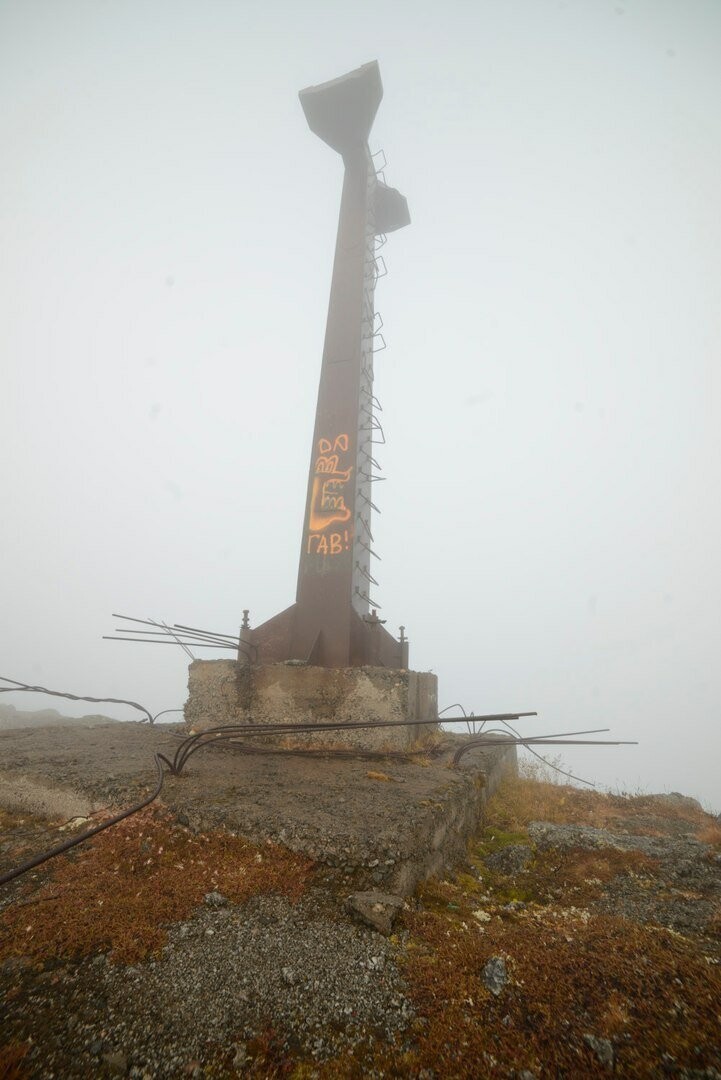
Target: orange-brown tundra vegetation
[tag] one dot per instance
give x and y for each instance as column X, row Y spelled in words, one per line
column 531, row 960
column 587, row 992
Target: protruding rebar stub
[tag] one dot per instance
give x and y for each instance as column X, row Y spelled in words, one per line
column 245, row 640
column 341, row 112
column 403, row 642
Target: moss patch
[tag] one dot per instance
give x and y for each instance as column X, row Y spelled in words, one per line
column 119, row 892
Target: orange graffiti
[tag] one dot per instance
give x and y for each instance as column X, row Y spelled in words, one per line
column 339, row 443
column 327, row 501
column 332, row 544
column 329, row 465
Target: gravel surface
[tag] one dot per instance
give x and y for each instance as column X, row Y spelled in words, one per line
column 319, row 983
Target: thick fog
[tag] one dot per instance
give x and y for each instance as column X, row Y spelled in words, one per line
column 550, row 519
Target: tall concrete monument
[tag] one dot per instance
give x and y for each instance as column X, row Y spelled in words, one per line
column 328, row 655
column 330, row 624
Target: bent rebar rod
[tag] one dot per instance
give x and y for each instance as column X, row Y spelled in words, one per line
column 30, row 864
column 354, row 753
column 231, row 735
column 187, row 747
column 24, row 687
column 557, row 739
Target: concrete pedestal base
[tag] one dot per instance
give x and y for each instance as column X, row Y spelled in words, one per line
column 222, row 692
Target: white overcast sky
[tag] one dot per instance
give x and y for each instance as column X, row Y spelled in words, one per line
column 550, row 528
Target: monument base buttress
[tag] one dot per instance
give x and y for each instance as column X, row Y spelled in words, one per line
column 223, row 692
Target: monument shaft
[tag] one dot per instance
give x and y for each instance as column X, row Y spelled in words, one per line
column 334, row 571
column 329, row 624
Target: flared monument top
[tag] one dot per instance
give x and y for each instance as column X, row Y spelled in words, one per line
column 341, row 112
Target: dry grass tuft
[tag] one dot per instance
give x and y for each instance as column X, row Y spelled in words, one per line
column 10, row 821
column 710, row 833
column 520, row 800
column 121, row 891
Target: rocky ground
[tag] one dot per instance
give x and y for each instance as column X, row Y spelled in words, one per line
column 232, row 987
column 579, row 937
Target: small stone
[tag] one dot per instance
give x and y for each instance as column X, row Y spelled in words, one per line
column 96, row 1047
column 376, row 909
column 15, row 964
column 495, row 975
column 288, row 976
column 117, row 1063
column 74, row 823
column 602, row 1048
column 511, row 859
column 240, row 1059
column 215, row 899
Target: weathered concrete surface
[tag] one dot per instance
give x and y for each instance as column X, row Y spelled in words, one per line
column 23, row 795
column 383, row 825
column 224, row 692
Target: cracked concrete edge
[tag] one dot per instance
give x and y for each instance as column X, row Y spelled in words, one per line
column 448, row 841
column 20, row 793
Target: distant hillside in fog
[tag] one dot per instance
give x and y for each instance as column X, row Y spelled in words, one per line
column 10, row 717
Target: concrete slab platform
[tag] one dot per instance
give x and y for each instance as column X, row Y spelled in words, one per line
column 381, row 824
